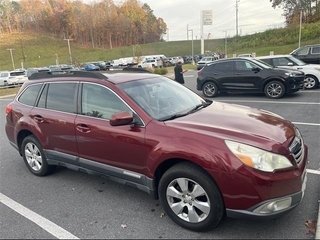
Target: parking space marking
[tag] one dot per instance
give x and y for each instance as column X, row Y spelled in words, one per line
column 276, row 102
column 313, row 171
column 308, row 124
column 42, row 222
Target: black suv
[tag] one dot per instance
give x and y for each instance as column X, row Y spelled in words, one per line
column 309, row 54
column 246, row 75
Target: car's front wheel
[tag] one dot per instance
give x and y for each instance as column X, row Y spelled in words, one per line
column 310, row 82
column 210, row 89
column 34, row 157
column 274, row 89
column 191, row 198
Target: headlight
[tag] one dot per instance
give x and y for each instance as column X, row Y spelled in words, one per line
column 291, row 74
column 257, row 158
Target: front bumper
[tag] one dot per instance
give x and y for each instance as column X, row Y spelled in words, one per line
column 272, row 208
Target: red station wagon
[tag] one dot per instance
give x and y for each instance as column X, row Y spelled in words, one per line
column 203, row 159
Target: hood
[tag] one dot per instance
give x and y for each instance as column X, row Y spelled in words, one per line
column 239, row 123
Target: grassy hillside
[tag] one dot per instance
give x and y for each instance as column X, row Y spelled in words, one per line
column 40, row 50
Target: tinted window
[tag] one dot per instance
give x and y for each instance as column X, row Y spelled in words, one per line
column 243, row 66
column 267, row 61
column 43, row 97
column 315, row 50
column 100, row 102
column 281, row 61
column 222, row 67
column 303, row 51
column 62, row 97
column 29, row 96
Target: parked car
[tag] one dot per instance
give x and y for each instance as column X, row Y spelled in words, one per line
column 147, row 131
column 11, row 78
column 151, row 63
column 247, row 75
column 91, row 67
column 201, row 63
column 312, row 71
column 308, row 54
column 31, row 71
column 245, row 55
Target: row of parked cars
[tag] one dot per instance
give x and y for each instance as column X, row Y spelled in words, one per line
column 275, row 75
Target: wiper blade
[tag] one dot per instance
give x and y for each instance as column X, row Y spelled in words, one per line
column 199, row 106
column 174, row 116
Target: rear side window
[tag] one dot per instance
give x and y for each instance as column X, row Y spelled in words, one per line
column 29, row 96
column 315, row 50
column 62, row 97
column 222, row 67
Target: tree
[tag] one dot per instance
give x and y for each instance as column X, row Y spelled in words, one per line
column 292, row 8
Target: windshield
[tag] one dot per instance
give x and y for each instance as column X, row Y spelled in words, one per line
column 261, row 63
column 162, row 98
column 297, row 61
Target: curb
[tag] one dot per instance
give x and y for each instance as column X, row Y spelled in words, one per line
column 318, row 224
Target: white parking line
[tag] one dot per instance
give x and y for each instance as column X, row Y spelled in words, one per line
column 276, row 102
column 42, row 222
column 308, row 124
column 313, row 171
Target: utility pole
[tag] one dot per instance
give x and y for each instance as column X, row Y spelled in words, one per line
column 300, row 27
column 191, row 30
column 237, row 6
column 187, row 32
column 11, row 49
column 57, row 59
column 68, row 39
column 225, row 44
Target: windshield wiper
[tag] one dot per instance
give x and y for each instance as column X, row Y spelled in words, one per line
column 199, row 106
column 174, row 116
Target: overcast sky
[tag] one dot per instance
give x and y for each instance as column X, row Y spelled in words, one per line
column 253, row 16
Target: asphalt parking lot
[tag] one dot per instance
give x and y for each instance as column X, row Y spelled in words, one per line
column 69, row 204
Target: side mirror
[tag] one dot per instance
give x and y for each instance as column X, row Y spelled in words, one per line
column 255, row 69
column 121, row 118
column 290, row 64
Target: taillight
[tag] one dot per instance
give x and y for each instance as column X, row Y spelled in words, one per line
column 8, row 109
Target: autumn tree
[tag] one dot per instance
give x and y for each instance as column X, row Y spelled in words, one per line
column 309, row 10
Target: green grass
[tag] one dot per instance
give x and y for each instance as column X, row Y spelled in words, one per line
column 8, row 91
column 37, row 50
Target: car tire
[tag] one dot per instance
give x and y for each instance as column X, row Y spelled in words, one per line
column 210, row 89
column 198, row 210
column 274, row 89
column 310, row 82
column 34, row 157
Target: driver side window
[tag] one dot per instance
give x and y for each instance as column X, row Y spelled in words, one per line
column 100, row 102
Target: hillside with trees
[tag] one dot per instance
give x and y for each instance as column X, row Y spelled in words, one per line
column 101, row 24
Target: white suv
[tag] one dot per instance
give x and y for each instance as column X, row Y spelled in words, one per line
column 16, row 77
column 312, row 71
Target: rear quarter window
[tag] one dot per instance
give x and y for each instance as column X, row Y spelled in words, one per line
column 29, row 96
column 315, row 50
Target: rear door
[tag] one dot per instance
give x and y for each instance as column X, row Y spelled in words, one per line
column 54, row 115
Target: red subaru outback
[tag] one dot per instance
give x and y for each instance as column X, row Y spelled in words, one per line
column 203, row 159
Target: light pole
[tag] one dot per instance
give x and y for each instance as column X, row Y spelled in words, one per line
column 225, row 44
column 57, row 59
column 300, row 26
column 11, row 49
column 68, row 39
column 191, row 30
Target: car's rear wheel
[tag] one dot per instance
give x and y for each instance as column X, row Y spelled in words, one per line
column 34, row 157
column 310, row 82
column 210, row 89
column 191, row 198
column 274, row 89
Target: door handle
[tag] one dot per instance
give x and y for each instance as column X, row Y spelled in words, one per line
column 238, row 74
column 84, row 128
column 38, row 119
